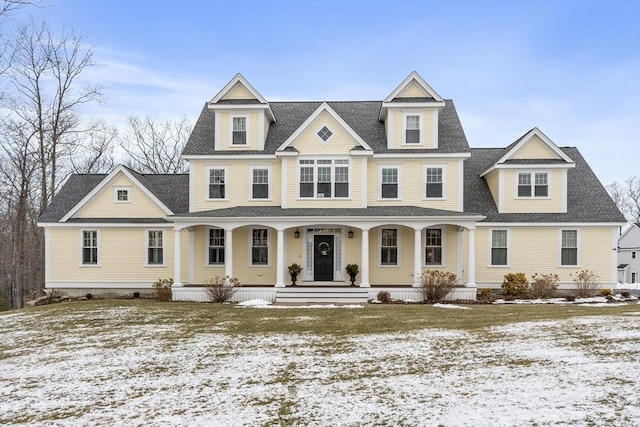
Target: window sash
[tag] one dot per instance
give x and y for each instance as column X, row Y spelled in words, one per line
column 324, row 178
column 412, row 131
column 260, row 184
column 389, row 246
column 260, row 247
column 538, row 187
column 123, row 195
column 499, row 247
column 541, row 188
column 90, row 247
column 434, row 187
column 216, row 246
column 433, row 246
column 569, row 251
column 155, row 247
column 216, row 183
column 239, row 131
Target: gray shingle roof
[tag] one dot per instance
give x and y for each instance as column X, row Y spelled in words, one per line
column 277, row 211
column 361, row 116
column 172, row 190
column 588, row 201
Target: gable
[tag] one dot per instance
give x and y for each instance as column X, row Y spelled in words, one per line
column 310, row 142
column 534, row 148
column 104, row 204
column 413, row 90
column 238, row 91
column 630, row 238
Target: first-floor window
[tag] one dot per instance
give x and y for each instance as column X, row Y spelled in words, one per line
column 498, row 247
column 389, row 246
column 90, row 247
column 260, row 184
column 389, row 183
column 216, row 183
column 216, row 246
column 569, row 255
column 259, row 247
column 155, row 252
column 433, row 247
column 634, row 275
column 434, row 183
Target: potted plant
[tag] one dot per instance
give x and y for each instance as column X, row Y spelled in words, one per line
column 294, row 270
column 352, row 270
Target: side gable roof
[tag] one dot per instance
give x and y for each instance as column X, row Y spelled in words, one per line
column 324, row 107
column 507, row 153
column 171, row 191
column 628, row 234
column 587, row 200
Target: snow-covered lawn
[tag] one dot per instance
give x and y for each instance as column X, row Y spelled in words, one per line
column 131, row 366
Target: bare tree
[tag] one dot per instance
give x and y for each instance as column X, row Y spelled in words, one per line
column 8, row 6
column 93, row 152
column 627, row 197
column 155, row 146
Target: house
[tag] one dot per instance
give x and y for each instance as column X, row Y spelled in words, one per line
column 629, row 255
column 390, row 185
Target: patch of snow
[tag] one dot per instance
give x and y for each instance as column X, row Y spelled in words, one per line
column 450, row 306
column 254, row 303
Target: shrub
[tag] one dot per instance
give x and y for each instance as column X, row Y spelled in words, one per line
column 221, row 289
column 605, row 292
column 515, row 285
column 485, row 295
column 625, row 294
column 436, row 285
column 544, row 285
column 570, row 298
column 587, row 283
column 384, row 297
column 162, row 289
column 51, row 296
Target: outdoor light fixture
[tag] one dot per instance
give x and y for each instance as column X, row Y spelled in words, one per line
column 350, row 234
column 296, row 234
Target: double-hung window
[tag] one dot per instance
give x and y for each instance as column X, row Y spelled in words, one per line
column 433, row 246
column 217, row 183
column 499, row 247
column 259, row 246
column 389, row 183
column 216, row 246
column 412, row 129
column 569, row 248
column 533, row 184
column 389, row 246
column 434, row 184
column 122, row 195
column 155, row 247
column 324, row 178
column 260, row 183
column 239, row 134
column 90, row 247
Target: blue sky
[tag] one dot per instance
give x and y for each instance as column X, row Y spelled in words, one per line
column 571, row 68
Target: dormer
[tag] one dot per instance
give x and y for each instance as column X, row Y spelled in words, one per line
column 242, row 117
column 411, row 113
column 530, row 176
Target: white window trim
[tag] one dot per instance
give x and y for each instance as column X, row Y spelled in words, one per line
column 399, row 169
column 315, row 177
column 226, row 183
column 632, row 273
column 98, row 240
column 578, row 242
column 250, row 258
column 269, row 182
column 533, row 173
column 420, row 114
column 164, row 248
column 398, row 246
column 322, row 141
column 206, row 247
column 490, row 244
column 118, row 188
column 247, row 117
column 444, row 248
column 426, row 166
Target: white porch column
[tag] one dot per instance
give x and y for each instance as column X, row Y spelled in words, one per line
column 471, row 259
column 228, row 253
column 417, row 256
column 191, row 276
column 177, row 257
column 364, row 271
column 280, row 260
column 459, row 255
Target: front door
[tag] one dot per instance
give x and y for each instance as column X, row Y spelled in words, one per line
column 323, row 258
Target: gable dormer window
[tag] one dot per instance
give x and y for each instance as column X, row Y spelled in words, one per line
column 412, row 129
column 239, row 134
column 325, row 133
column 533, row 184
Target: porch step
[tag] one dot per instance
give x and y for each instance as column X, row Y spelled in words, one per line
column 300, row 294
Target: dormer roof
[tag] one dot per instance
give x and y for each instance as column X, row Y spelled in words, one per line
column 412, row 92
column 239, row 93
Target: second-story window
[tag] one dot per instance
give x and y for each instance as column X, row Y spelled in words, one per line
column 412, row 130
column 389, row 183
column 434, row 183
column 217, row 187
column 533, row 184
column 239, row 131
column 260, row 184
column 324, row 178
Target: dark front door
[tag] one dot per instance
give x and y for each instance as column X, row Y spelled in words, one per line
column 323, row 258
